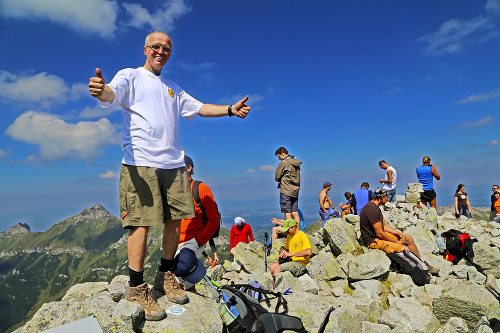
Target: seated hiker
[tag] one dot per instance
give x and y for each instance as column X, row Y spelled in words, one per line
column 346, row 209
column 296, row 253
column 276, row 232
column 377, row 234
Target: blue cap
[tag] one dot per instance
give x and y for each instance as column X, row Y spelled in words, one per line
column 189, row 267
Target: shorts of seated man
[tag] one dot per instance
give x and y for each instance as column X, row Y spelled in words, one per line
column 386, row 246
column 294, row 267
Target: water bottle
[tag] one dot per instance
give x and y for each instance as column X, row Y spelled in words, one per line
column 440, row 244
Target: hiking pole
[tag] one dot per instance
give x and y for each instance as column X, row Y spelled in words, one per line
column 211, row 286
column 267, row 249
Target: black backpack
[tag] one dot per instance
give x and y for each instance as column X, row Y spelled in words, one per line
column 458, row 245
column 407, row 262
column 251, row 317
column 196, row 196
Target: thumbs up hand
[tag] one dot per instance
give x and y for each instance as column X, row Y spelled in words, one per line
column 97, row 84
column 240, row 109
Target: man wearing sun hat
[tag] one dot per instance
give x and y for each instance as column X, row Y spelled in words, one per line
column 296, row 253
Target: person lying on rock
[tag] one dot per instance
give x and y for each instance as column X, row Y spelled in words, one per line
column 377, row 234
column 296, row 254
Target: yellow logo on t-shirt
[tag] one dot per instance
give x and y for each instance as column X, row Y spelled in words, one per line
column 171, row 92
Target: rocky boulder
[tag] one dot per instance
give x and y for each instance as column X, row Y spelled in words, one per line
column 368, row 266
column 341, row 236
column 468, row 302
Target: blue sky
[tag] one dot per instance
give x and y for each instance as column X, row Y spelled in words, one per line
column 340, row 84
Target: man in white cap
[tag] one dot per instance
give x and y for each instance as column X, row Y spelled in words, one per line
column 240, row 232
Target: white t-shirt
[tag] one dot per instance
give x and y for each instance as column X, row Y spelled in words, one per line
column 152, row 107
column 394, row 178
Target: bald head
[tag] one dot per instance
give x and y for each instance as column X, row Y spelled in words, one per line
column 146, row 43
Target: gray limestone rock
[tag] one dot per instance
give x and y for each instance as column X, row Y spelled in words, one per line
column 200, row 316
column 250, row 256
column 416, row 187
column 373, row 287
column 325, row 267
column 469, row 302
column 407, row 315
column 368, row 266
column 83, row 290
column 343, row 320
column 130, row 313
column 340, row 235
column 455, row 324
column 55, row 314
column 369, row 327
column 486, row 258
column 433, row 290
column 424, row 239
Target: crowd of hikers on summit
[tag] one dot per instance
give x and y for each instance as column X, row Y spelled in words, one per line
column 156, row 187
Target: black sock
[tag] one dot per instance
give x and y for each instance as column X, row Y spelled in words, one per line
column 136, row 278
column 166, row 265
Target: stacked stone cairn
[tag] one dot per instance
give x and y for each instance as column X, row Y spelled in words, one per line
column 367, row 296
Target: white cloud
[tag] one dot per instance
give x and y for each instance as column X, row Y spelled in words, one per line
column 4, row 153
column 89, row 16
column 453, row 35
column 481, row 122
column 249, row 171
column 493, row 6
column 266, row 168
column 59, row 140
column 163, row 19
column 43, row 88
column 480, row 97
column 96, row 111
column 109, row 175
column 492, row 143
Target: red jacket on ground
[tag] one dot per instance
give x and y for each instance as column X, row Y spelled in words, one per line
column 240, row 234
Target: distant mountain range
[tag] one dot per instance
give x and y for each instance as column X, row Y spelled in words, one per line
column 39, row 267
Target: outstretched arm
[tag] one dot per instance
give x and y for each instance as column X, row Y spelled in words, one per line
column 240, row 109
column 99, row 89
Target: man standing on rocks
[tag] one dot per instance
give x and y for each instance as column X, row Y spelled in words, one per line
column 377, row 234
column 296, row 254
column 195, row 231
column 288, row 177
column 326, row 207
column 154, row 188
column 426, row 174
column 360, row 198
column 389, row 180
column 493, row 213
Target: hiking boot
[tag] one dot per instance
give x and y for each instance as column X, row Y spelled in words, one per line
column 142, row 295
column 166, row 282
column 190, row 289
column 432, row 270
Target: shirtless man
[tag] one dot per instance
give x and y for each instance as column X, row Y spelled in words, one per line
column 326, row 207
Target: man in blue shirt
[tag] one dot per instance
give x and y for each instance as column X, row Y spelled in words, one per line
column 360, row 198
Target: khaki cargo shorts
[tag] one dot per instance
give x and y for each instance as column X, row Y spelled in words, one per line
column 386, row 246
column 294, row 267
column 151, row 196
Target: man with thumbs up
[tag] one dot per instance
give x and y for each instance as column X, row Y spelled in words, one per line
column 154, row 188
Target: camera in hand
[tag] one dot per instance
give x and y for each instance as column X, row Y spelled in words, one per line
column 283, row 260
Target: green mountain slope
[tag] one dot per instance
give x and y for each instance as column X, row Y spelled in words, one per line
column 39, row 267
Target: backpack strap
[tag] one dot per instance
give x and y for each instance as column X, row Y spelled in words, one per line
column 282, row 303
column 195, row 190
